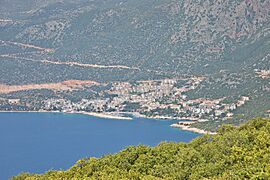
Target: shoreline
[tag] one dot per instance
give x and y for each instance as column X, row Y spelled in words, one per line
column 104, row 115
column 100, row 115
column 116, row 116
column 195, row 130
column 136, row 114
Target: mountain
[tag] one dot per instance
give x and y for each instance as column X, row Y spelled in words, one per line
column 226, row 42
column 159, row 37
column 234, row 153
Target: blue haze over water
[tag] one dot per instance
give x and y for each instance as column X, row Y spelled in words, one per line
column 38, row 142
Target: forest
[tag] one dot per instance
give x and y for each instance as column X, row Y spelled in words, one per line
column 241, row 152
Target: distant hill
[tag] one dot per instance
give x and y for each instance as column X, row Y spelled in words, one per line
column 161, row 38
column 228, row 42
column 234, row 153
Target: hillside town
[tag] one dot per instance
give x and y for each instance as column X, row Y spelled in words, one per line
column 154, row 99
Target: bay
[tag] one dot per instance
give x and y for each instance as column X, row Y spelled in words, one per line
column 38, row 142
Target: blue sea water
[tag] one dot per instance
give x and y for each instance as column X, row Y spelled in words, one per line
column 38, row 142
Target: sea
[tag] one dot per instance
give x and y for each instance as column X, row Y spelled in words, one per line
column 38, row 142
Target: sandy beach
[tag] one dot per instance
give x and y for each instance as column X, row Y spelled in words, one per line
column 105, row 115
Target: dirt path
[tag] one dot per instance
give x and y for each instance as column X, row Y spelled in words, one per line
column 70, row 63
column 22, row 45
column 5, row 21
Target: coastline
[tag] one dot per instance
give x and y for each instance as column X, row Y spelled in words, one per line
column 183, row 127
column 100, row 115
column 104, row 115
column 116, row 116
column 196, row 130
column 136, row 114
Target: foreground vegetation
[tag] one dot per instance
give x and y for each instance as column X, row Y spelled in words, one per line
column 234, row 153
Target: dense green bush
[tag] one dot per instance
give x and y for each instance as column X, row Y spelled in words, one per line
column 234, row 153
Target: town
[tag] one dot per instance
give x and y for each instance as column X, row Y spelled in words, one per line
column 153, row 99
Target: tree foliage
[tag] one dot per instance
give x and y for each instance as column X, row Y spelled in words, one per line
column 234, row 153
